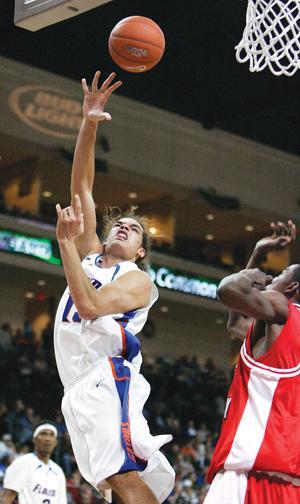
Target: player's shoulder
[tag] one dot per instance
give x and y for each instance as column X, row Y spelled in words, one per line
column 275, row 296
column 128, row 266
column 122, row 268
column 24, row 460
column 56, row 468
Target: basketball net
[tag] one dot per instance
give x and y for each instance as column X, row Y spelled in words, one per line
column 271, row 37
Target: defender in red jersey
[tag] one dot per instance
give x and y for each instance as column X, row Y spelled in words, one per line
column 257, row 458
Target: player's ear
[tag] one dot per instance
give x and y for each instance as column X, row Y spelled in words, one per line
column 292, row 289
column 141, row 252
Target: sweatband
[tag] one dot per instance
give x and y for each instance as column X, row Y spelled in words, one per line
column 42, row 427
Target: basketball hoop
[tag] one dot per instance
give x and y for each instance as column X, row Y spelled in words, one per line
column 271, row 37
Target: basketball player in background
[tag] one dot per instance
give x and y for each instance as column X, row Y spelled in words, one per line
column 97, row 352
column 257, row 457
column 34, row 477
column 283, row 235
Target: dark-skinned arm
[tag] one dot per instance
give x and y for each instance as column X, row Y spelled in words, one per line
column 243, row 292
column 283, row 236
column 238, row 324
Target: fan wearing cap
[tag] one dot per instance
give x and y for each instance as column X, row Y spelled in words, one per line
column 34, row 477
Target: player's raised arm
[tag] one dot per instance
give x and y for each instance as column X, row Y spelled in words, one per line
column 245, row 292
column 83, row 169
column 283, row 236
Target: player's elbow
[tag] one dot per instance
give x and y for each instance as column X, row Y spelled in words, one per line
column 87, row 311
column 224, row 292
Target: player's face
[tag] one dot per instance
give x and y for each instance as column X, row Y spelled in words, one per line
column 125, row 239
column 281, row 282
column 45, row 442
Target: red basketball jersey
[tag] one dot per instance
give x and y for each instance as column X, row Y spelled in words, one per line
column 261, row 425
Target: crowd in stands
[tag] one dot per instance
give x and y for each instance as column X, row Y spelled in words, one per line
column 187, row 400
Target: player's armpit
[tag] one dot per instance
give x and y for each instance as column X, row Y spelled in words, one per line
column 129, row 292
column 7, row 496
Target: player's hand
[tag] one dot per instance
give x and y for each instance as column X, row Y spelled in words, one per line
column 96, row 99
column 70, row 223
column 283, row 235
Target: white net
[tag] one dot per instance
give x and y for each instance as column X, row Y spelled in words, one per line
column 271, row 37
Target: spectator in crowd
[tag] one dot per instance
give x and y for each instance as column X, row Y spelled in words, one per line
column 86, row 495
column 47, row 339
column 6, row 344
column 7, row 447
column 4, row 417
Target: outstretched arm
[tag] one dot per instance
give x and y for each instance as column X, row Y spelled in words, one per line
column 283, row 236
column 83, row 169
column 129, row 292
column 244, row 292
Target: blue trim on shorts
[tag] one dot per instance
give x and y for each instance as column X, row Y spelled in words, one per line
column 122, row 375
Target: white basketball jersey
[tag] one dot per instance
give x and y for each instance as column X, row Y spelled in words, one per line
column 36, row 482
column 79, row 343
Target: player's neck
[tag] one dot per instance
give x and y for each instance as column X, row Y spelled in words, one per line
column 110, row 260
column 42, row 457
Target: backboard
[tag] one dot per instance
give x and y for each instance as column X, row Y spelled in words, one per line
column 36, row 14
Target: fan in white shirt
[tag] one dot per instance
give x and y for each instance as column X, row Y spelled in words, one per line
column 34, row 477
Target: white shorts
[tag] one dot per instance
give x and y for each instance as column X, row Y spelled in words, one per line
column 109, row 434
column 228, row 487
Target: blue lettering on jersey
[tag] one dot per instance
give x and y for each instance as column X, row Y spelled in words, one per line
column 44, row 491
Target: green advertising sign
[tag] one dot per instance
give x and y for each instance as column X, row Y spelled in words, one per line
column 179, row 281
column 40, row 248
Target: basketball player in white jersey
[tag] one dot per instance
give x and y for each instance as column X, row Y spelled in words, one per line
column 34, row 477
column 97, row 352
column 257, row 457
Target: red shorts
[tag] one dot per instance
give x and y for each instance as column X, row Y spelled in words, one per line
column 231, row 487
column 265, row 489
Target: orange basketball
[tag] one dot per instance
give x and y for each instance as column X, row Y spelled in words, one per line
column 136, row 44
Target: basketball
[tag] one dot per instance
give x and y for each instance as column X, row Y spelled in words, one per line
column 136, row 44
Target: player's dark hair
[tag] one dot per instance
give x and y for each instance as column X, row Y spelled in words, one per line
column 114, row 214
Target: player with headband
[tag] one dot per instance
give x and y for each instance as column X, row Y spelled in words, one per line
column 34, row 477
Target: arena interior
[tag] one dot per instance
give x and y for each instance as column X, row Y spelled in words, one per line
column 210, row 170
